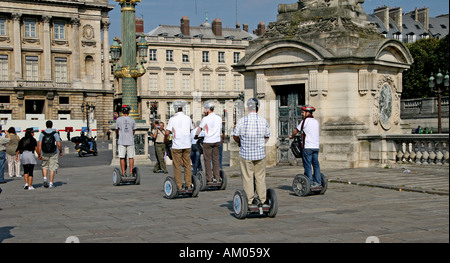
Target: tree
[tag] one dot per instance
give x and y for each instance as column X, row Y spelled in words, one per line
column 430, row 56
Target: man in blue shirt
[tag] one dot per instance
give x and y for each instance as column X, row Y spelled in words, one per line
column 252, row 133
column 50, row 163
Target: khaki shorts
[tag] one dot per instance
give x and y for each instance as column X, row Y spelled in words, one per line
column 50, row 162
column 128, row 149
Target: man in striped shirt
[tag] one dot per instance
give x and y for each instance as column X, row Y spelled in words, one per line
column 252, row 133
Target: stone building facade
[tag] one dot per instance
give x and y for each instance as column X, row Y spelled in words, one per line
column 328, row 55
column 193, row 63
column 51, row 55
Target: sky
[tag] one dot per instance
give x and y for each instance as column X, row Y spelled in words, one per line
column 252, row 12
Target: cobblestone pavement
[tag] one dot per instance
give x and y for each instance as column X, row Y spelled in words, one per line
column 86, row 205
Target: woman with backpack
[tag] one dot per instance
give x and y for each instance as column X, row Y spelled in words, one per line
column 27, row 147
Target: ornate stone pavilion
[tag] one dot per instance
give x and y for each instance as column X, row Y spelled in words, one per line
column 326, row 54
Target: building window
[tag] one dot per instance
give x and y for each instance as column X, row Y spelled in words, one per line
column 64, row 100
column 4, row 68
column 221, row 58
column 32, row 68
column 206, row 82
column 169, row 82
column 221, row 82
column 61, row 69
column 186, row 79
column 30, row 28
column 2, row 26
column 169, row 55
column 236, row 57
column 205, row 56
column 237, row 83
column 153, row 81
column 152, row 55
column 185, row 58
column 59, row 30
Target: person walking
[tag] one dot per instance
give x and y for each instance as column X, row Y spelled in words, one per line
column 11, row 147
column 26, row 148
column 4, row 140
column 158, row 135
column 251, row 133
column 309, row 130
column 125, row 130
column 211, row 124
column 181, row 125
column 49, row 144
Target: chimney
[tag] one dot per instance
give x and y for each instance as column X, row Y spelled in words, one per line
column 238, row 26
column 383, row 14
column 261, row 28
column 396, row 14
column 245, row 27
column 139, row 25
column 185, row 27
column 217, row 27
column 423, row 17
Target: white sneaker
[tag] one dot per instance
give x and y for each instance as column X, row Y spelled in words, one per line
column 50, row 185
column 30, row 188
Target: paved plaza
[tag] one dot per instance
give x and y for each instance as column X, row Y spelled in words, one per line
column 404, row 204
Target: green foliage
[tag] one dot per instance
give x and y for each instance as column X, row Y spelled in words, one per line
column 430, row 56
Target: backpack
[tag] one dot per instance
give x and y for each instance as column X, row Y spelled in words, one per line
column 49, row 142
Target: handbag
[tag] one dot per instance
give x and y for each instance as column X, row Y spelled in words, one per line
column 296, row 147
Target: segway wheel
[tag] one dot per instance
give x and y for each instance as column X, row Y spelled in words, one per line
column 170, row 187
column 137, row 174
column 117, row 177
column 324, row 184
column 201, row 176
column 301, row 185
column 240, row 204
column 196, row 184
column 273, row 202
column 223, row 176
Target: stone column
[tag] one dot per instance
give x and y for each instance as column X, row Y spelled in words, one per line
column 107, row 65
column 47, row 47
column 17, row 40
column 76, row 81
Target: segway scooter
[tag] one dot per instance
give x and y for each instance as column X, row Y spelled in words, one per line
column 119, row 178
column 171, row 191
column 242, row 209
column 302, row 185
column 201, row 175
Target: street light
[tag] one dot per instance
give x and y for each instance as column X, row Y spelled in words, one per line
column 436, row 82
column 86, row 108
column 130, row 69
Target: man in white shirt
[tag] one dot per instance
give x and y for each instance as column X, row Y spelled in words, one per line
column 181, row 125
column 309, row 129
column 211, row 125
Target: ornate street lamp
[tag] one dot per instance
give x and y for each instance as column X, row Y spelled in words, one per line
column 130, row 70
column 436, row 82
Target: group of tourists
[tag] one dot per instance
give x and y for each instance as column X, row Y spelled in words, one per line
column 251, row 133
column 26, row 151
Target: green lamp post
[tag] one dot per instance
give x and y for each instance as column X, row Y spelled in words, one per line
column 125, row 54
column 130, row 70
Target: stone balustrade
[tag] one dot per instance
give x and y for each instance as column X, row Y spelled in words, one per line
column 422, row 149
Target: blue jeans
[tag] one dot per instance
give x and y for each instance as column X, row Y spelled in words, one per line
column 311, row 157
column 2, row 165
column 195, row 157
